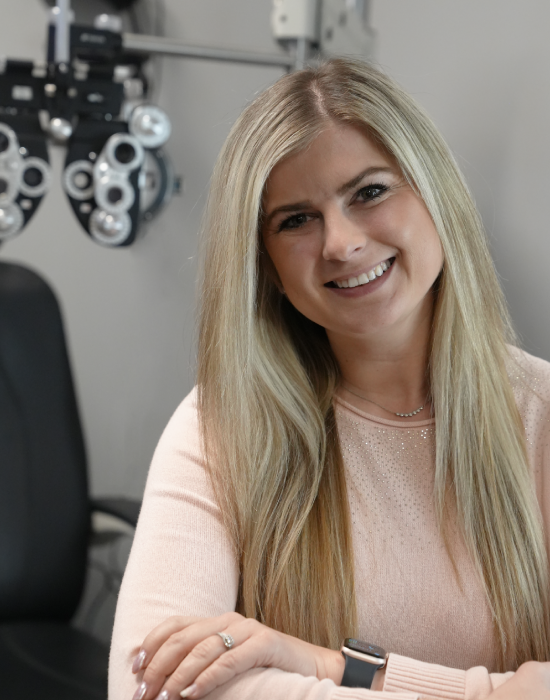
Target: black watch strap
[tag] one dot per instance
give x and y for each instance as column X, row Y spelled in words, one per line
column 358, row 674
column 362, row 662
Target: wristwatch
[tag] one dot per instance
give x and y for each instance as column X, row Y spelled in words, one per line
column 362, row 662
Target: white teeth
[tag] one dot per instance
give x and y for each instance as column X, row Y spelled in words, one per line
column 365, row 277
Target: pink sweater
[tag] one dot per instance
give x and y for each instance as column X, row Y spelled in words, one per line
column 439, row 634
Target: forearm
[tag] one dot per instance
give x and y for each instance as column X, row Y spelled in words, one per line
column 272, row 684
column 182, row 563
column 434, row 681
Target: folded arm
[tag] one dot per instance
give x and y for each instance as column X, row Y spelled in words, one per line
column 183, row 564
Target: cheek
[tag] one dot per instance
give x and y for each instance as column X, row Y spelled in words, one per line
column 292, row 258
column 432, row 249
column 429, row 263
column 293, row 278
column 420, row 238
column 406, row 224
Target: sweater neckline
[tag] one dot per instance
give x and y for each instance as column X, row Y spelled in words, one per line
column 383, row 421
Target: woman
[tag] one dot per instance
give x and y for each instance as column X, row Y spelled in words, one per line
column 348, row 302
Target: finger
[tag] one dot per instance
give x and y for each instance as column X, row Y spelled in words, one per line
column 226, row 667
column 181, row 643
column 161, row 633
column 211, row 664
column 156, row 638
column 199, row 658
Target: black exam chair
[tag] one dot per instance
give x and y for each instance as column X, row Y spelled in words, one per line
column 45, row 512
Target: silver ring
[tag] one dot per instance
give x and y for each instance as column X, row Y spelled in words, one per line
column 227, row 640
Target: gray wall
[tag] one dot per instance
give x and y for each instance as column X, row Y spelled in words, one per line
column 480, row 68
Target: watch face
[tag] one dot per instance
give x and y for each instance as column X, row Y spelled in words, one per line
column 365, row 648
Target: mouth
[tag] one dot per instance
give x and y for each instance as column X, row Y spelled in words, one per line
column 365, row 277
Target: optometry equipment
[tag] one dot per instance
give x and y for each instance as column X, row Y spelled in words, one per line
column 330, row 27
column 90, row 95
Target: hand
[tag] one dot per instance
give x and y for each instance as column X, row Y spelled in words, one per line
column 187, row 654
column 531, row 680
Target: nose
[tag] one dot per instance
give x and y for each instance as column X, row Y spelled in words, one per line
column 342, row 236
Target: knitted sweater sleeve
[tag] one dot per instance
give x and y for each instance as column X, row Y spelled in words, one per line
column 182, row 563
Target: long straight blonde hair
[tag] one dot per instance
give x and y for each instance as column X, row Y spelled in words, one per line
column 266, row 379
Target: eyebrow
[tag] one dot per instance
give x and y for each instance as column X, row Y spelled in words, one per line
column 356, row 180
column 295, row 206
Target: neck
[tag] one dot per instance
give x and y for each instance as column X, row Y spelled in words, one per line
column 388, row 367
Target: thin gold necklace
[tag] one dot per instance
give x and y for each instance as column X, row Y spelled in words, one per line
column 400, row 415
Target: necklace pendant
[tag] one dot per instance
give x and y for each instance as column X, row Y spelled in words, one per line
column 399, row 415
column 407, row 415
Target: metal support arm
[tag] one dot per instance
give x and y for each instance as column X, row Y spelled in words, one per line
column 169, row 47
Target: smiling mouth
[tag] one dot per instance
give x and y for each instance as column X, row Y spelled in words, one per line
column 365, row 277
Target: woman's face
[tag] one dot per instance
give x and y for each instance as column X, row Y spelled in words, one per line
column 355, row 248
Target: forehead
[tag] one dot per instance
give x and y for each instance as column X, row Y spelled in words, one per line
column 335, row 156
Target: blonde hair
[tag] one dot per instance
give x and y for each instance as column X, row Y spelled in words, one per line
column 266, row 378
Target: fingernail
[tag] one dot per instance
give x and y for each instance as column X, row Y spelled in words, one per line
column 163, row 696
column 140, row 692
column 138, row 662
column 188, row 692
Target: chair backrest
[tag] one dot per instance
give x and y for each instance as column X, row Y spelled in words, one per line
column 44, row 512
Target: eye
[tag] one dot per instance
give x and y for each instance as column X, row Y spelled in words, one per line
column 293, row 222
column 371, row 192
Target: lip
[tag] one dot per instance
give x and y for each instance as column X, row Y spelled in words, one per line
column 364, row 270
column 363, row 289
